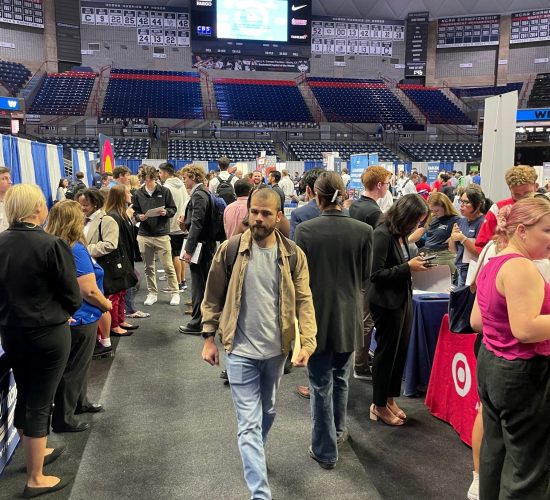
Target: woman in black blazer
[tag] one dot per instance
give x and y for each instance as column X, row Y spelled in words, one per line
column 390, row 298
column 39, row 294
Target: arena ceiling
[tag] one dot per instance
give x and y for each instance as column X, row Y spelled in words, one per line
column 394, row 9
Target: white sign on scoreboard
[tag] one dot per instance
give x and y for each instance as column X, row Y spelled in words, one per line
column 355, row 36
column 154, row 25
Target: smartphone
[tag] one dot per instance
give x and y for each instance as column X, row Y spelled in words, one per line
column 427, row 258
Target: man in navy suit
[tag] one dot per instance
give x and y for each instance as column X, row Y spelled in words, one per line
column 311, row 210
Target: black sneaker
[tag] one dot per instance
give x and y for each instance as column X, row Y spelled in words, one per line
column 101, row 351
column 183, row 286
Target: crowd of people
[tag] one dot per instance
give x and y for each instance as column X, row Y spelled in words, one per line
column 337, row 271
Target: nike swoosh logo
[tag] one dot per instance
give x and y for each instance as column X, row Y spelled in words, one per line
column 294, row 8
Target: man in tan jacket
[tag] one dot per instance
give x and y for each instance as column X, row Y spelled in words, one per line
column 253, row 302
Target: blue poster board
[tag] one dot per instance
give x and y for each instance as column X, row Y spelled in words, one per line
column 357, row 165
column 433, row 172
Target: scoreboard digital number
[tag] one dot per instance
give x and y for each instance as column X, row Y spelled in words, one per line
column 365, row 37
column 23, row 12
column 532, row 26
column 154, row 25
column 468, row 31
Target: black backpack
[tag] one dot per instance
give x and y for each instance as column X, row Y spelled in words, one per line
column 75, row 188
column 225, row 189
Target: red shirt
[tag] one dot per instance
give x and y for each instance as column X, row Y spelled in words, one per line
column 437, row 185
column 487, row 229
column 423, row 186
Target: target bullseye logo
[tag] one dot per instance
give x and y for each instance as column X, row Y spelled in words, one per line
column 462, row 376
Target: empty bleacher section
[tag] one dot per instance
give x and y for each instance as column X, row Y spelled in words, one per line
column 435, row 105
column 540, row 94
column 463, row 92
column 304, row 151
column 13, row 76
column 358, row 101
column 135, row 93
column 124, row 148
column 442, row 151
column 260, row 100
column 205, row 150
column 64, row 94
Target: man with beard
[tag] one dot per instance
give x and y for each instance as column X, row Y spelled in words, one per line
column 271, row 271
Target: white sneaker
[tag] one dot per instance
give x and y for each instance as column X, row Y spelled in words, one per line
column 473, row 492
column 151, row 299
column 175, row 300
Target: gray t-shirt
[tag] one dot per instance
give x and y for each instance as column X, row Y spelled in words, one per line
column 258, row 334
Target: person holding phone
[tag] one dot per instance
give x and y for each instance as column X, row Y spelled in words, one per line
column 390, row 297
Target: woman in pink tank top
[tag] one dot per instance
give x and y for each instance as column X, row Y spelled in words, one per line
column 512, row 310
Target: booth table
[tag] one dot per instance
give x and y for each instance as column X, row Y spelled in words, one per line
column 8, row 434
column 452, row 391
column 428, row 311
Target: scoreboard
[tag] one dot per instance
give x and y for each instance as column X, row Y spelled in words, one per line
column 280, row 28
column 154, row 25
column 531, row 26
column 468, row 31
column 364, row 37
column 24, row 12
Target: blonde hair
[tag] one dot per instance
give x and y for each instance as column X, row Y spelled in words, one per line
column 195, row 171
column 67, row 222
column 442, row 200
column 134, row 182
column 520, row 175
column 22, row 201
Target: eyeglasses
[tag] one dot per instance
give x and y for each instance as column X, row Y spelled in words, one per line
column 465, row 202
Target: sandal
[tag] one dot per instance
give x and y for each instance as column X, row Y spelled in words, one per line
column 393, row 420
column 138, row 314
column 398, row 412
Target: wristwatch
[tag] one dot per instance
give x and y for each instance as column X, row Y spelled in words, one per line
column 206, row 335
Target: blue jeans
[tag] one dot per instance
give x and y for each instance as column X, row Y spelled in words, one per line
column 328, row 381
column 462, row 273
column 254, row 383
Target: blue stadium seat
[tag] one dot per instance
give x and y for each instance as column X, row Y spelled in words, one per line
column 304, row 150
column 454, row 151
column 209, row 150
column 260, row 100
column 156, row 94
column 435, row 105
column 358, row 101
column 64, row 94
column 13, row 76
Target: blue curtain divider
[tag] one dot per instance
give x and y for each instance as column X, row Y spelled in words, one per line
column 11, row 157
column 41, row 174
column 132, row 164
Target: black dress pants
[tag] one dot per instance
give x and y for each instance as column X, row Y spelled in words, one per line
column 37, row 357
column 199, row 275
column 73, row 384
column 393, row 330
column 515, row 450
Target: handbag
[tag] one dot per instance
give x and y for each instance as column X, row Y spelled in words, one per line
column 461, row 301
column 119, row 273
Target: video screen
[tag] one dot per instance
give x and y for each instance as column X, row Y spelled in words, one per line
column 252, row 20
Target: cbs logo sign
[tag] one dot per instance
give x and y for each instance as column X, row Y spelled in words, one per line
column 462, row 376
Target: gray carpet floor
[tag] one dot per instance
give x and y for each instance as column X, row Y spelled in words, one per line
column 169, row 432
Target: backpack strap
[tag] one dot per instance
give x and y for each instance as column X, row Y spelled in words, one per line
column 230, row 178
column 233, row 245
